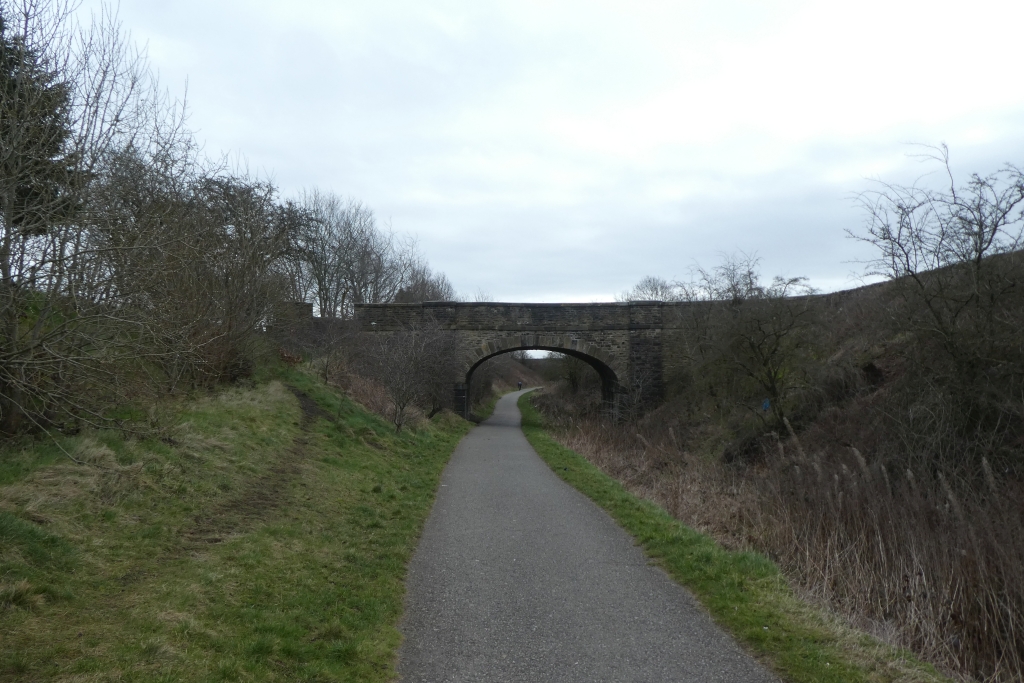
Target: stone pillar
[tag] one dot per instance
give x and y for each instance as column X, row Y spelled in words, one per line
column 645, row 366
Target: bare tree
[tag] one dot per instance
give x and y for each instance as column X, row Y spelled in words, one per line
column 124, row 254
column 651, row 288
column 953, row 252
column 424, row 285
column 416, row 366
column 193, row 257
column 342, row 257
column 70, row 96
column 294, row 269
column 764, row 337
column 325, row 243
column 572, row 370
column 745, row 339
column 380, row 262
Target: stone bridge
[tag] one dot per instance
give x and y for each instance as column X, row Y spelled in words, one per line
column 624, row 342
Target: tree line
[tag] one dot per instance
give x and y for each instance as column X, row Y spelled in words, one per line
column 129, row 261
column 952, row 311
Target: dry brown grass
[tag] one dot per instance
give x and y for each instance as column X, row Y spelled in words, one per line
column 920, row 559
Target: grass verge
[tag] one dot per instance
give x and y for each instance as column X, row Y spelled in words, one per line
column 262, row 535
column 744, row 591
column 486, row 409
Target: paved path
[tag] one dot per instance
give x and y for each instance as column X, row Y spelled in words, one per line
column 519, row 577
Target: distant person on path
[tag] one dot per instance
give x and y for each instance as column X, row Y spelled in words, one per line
column 520, row 385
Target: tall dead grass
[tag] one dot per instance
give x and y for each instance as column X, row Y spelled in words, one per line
column 925, row 559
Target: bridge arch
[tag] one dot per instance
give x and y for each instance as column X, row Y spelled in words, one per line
column 591, row 354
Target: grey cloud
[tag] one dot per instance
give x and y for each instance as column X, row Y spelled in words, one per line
column 441, row 117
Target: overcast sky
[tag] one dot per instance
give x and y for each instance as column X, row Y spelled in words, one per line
column 560, row 151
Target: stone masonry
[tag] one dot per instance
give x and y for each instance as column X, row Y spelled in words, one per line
column 624, row 342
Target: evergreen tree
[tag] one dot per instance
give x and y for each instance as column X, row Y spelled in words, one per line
column 37, row 174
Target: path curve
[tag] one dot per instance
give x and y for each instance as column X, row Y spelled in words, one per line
column 519, row 577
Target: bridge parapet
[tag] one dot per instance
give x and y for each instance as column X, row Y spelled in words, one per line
column 518, row 316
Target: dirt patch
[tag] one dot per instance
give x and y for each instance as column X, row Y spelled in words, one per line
column 311, row 410
column 261, row 495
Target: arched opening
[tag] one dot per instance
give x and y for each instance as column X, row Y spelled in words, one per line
column 609, row 378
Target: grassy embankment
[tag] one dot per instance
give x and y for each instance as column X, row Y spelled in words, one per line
column 262, row 534
column 743, row 591
column 485, row 409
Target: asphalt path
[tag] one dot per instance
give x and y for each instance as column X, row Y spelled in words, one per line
column 519, row 577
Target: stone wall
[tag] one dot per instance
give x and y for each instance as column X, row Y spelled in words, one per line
column 624, row 342
column 507, row 316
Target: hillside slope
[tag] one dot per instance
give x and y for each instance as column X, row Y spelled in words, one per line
column 259, row 533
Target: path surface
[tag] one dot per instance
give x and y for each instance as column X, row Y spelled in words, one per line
column 519, row 577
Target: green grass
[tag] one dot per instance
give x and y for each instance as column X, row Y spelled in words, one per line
column 240, row 542
column 20, row 458
column 744, row 591
column 486, row 409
